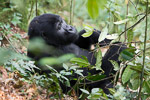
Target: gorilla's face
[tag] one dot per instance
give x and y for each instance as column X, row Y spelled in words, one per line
column 53, row 29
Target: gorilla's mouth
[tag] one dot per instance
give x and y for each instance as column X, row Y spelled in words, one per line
column 73, row 37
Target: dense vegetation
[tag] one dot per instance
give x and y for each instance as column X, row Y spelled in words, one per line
column 126, row 21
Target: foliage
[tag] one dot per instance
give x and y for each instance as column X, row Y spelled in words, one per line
column 122, row 94
column 123, row 20
column 24, row 67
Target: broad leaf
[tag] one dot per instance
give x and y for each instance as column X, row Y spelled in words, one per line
column 96, row 77
column 115, row 65
column 101, row 3
column 146, row 86
column 89, row 30
column 121, row 22
column 79, row 72
column 80, row 62
column 127, row 54
column 126, row 74
column 99, row 60
column 103, row 34
column 55, row 61
column 65, row 66
column 139, row 70
column 135, row 81
column 85, row 91
column 93, row 8
column 130, row 35
column 112, row 36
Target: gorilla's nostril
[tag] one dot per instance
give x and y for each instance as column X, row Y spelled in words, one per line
column 70, row 29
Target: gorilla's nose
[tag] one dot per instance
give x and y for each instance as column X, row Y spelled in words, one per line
column 71, row 29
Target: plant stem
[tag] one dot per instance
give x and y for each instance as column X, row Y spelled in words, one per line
column 142, row 74
column 126, row 22
column 71, row 3
column 36, row 8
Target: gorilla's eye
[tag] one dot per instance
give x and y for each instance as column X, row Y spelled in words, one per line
column 59, row 26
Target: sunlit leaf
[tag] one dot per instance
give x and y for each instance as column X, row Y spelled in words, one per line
column 101, row 3
column 65, row 66
column 112, row 36
column 115, row 65
column 93, row 8
column 121, row 22
column 103, row 34
column 79, row 72
column 85, row 91
column 96, row 93
column 99, row 60
column 89, row 30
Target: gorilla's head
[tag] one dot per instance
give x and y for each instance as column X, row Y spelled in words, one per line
column 53, row 29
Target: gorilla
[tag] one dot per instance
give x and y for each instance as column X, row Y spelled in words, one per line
column 65, row 39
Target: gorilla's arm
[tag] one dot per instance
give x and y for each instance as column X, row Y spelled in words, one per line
column 112, row 54
column 86, row 42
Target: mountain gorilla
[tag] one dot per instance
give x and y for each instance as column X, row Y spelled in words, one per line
column 65, row 39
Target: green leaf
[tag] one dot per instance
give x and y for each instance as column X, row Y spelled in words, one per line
column 121, row 22
column 130, row 35
column 48, row 61
column 65, row 58
column 96, row 93
column 55, row 61
column 79, row 72
column 95, row 90
column 99, row 60
column 112, row 90
column 112, row 36
column 81, row 62
column 52, row 69
column 101, row 3
column 85, row 91
column 139, row 70
column 63, row 72
column 93, row 8
column 127, row 54
column 65, row 66
column 115, row 65
column 96, row 77
column 135, row 81
column 85, row 58
column 146, row 86
column 103, row 34
column 126, row 74
column 89, row 30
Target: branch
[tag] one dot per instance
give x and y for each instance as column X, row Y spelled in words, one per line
column 133, row 25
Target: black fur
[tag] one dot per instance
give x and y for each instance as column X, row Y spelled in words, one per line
column 64, row 38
